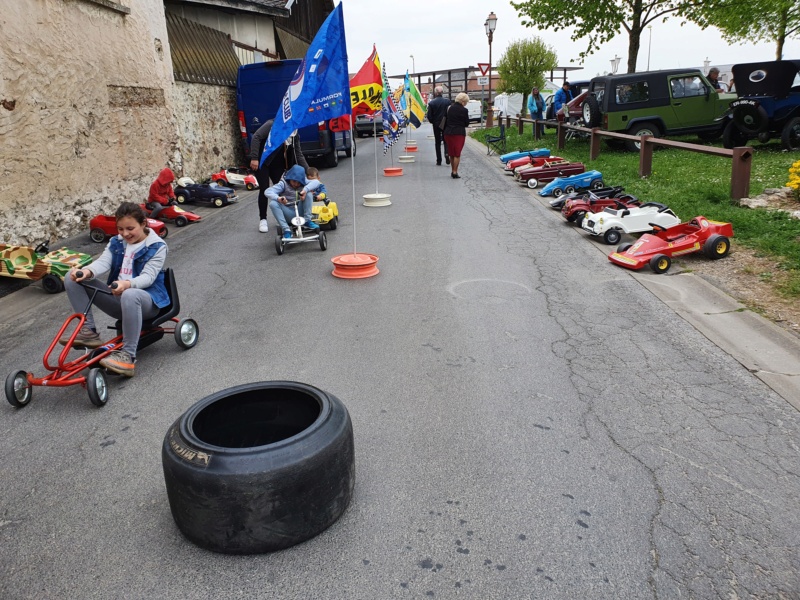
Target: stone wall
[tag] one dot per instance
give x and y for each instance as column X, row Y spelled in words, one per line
column 86, row 115
column 208, row 128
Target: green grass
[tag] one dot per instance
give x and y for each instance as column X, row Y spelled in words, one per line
column 696, row 184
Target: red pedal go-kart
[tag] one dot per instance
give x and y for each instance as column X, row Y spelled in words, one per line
column 657, row 249
column 65, row 372
column 173, row 212
column 104, row 226
column 529, row 161
column 534, row 176
column 576, row 208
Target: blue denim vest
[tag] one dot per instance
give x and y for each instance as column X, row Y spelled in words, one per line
column 157, row 291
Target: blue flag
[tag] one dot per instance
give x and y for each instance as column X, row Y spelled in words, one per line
column 320, row 89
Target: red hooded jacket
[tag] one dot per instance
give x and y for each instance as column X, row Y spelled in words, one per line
column 161, row 189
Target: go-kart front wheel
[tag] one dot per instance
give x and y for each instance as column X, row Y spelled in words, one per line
column 186, row 333
column 181, row 221
column 180, row 199
column 219, row 202
column 660, row 263
column 623, row 247
column 97, row 235
column 97, row 387
column 612, row 236
column 250, row 187
column 558, row 192
column 52, row 284
column 597, row 184
column 717, row 246
column 18, row 391
column 164, row 233
column 323, row 241
column 333, row 223
column 279, row 244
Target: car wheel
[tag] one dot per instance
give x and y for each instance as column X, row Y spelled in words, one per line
column 790, row 136
column 186, row 333
column 219, row 202
column 221, row 182
column 164, row 233
column 623, row 247
column 612, row 236
column 332, row 158
column 717, row 246
column 52, row 284
column 660, row 263
column 591, row 111
column 97, row 387
column 259, row 467
column 323, row 241
column 333, row 223
column 533, row 183
column 750, row 119
column 250, row 187
column 597, row 184
column 558, row 192
column 18, row 391
column 579, row 218
column 181, row 221
column 279, row 244
column 180, row 198
column 645, row 128
column 732, row 137
column 97, row 235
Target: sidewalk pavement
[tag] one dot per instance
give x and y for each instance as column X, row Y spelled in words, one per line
column 765, row 349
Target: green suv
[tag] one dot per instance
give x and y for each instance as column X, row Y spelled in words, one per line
column 658, row 103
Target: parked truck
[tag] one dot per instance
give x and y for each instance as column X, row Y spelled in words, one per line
column 260, row 88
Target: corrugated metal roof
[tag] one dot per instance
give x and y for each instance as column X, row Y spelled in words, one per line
column 201, row 54
column 293, row 46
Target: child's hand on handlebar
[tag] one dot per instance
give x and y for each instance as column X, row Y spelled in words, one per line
column 282, row 199
column 120, row 286
column 303, row 194
column 80, row 274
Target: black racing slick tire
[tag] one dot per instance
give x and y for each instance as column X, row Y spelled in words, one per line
column 259, row 467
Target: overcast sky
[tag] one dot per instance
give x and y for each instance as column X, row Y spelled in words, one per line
column 443, row 34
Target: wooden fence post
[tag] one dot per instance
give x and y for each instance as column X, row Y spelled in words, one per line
column 594, row 144
column 740, row 172
column 562, row 132
column 645, row 156
column 519, row 124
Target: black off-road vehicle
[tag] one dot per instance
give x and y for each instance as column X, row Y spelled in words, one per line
column 659, row 103
column 768, row 104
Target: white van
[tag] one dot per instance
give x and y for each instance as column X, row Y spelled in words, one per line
column 474, row 108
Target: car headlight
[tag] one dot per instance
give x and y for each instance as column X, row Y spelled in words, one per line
column 600, row 220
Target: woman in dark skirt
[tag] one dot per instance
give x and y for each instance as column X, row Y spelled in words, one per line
column 455, row 131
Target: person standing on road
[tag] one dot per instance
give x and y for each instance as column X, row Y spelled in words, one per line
column 275, row 165
column 436, row 110
column 536, row 108
column 455, row 131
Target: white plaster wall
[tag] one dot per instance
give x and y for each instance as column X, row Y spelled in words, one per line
column 208, row 128
column 85, row 112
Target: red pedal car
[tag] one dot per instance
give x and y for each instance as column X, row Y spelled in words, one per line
column 712, row 238
column 235, row 176
column 533, row 176
column 104, row 226
column 574, row 209
column 529, row 161
column 174, row 213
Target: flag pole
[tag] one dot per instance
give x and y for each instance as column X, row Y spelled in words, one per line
column 375, row 135
column 353, row 173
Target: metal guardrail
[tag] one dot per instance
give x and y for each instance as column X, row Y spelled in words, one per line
column 741, row 157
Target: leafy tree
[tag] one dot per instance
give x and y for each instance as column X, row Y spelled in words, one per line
column 523, row 66
column 599, row 21
column 744, row 22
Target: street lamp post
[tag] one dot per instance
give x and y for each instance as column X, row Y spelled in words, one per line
column 490, row 25
column 413, row 64
column 649, row 45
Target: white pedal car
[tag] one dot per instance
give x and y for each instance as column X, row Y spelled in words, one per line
column 613, row 222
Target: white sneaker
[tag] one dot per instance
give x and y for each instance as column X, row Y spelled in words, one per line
column 263, row 226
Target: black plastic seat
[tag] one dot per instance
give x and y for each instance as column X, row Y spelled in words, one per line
column 171, row 309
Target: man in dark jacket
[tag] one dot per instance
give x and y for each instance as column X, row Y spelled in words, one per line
column 436, row 110
column 275, row 165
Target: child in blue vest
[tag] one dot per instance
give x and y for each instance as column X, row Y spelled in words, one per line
column 294, row 187
column 134, row 260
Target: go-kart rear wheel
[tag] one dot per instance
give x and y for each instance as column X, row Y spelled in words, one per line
column 533, row 183
column 660, row 263
column 279, row 244
column 323, row 241
column 97, row 235
column 97, row 387
column 164, row 233
column 181, row 221
column 612, row 236
column 18, row 391
column 219, row 202
column 597, row 184
column 579, row 218
column 250, row 187
column 180, row 198
column 52, row 284
column 570, row 189
column 333, row 223
column 623, row 247
column 186, row 333
column 221, row 182
column 717, row 246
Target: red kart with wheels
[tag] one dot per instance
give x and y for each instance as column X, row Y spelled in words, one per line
column 656, row 250
column 173, row 212
column 104, row 226
column 528, row 161
column 65, row 372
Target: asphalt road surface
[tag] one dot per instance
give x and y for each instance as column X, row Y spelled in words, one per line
column 530, row 422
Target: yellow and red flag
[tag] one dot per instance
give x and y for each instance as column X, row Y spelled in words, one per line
column 366, row 86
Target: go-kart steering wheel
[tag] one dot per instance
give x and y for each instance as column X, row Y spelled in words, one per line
column 657, row 228
column 42, row 248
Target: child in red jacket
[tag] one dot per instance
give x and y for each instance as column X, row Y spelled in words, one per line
column 161, row 192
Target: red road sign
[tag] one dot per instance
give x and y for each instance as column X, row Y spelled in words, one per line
column 484, row 67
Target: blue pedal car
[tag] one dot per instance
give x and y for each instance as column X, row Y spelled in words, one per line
column 589, row 180
column 541, row 152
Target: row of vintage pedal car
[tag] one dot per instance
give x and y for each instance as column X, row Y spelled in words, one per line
column 608, row 212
